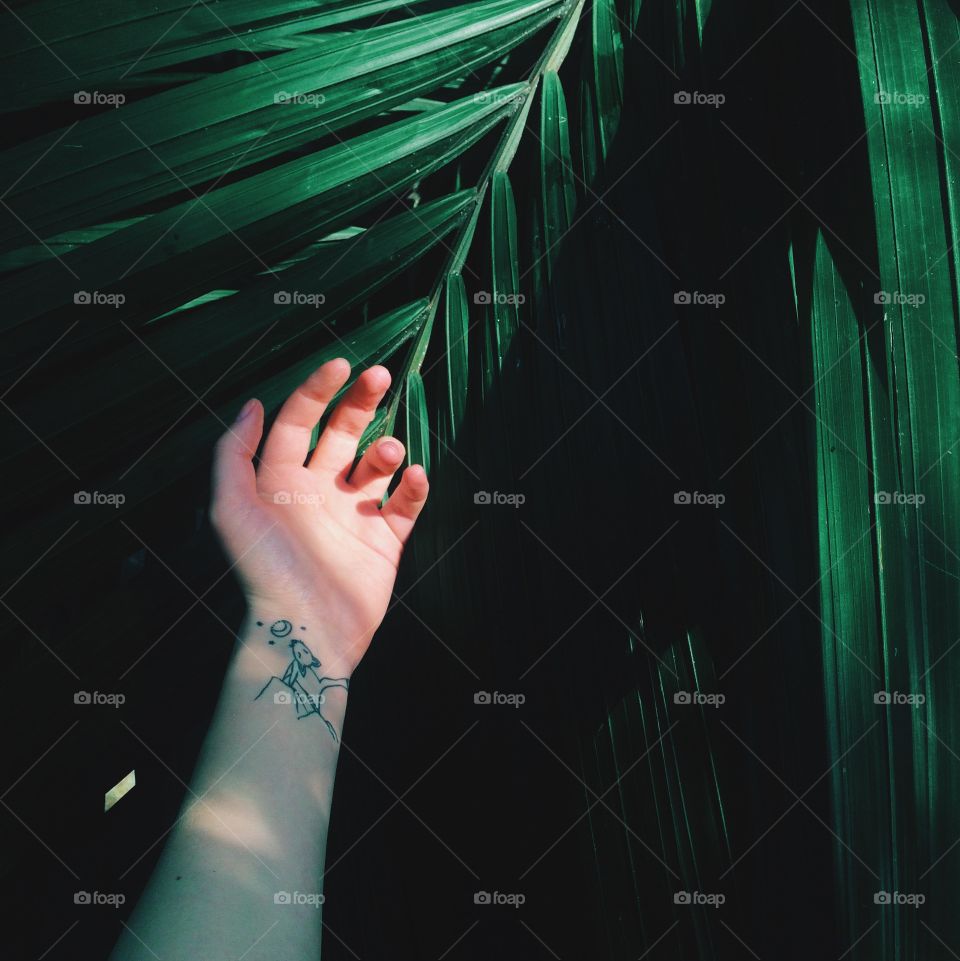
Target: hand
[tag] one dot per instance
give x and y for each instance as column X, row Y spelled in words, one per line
column 311, row 542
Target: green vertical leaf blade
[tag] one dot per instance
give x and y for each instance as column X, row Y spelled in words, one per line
column 456, row 332
column 506, row 271
column 418, row 422
column 556, row 168
column 607, row 70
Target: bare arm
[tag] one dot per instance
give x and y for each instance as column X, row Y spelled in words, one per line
column 242, row 871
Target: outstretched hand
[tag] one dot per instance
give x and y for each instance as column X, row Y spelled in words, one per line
column 312, row 541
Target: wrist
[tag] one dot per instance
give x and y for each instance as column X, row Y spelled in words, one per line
column 281, row 662
column 272, row 631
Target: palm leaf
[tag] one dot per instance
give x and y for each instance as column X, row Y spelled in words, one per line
column 174, row 255
column 202, row 132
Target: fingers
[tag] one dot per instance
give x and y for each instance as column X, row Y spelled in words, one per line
column 288, row 442
column 406, row 502
column 234, row 479
column 372, row 475
column 337, row 445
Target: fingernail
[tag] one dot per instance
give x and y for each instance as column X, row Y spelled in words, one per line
column 390, row 449
column 246, row 410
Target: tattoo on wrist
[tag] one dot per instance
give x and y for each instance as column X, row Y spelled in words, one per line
column 301, row 684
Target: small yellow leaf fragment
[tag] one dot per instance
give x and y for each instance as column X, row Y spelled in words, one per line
column 118, row 790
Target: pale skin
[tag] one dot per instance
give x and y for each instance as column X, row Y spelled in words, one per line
column 241, row 874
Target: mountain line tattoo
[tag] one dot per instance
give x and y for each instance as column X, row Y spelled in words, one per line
column 305, row 687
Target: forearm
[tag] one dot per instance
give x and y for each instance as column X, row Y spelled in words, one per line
column 254, row 824
column 242, row 872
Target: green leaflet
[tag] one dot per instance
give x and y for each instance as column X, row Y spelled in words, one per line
column 489, row 356
column 506, row 295
column 538, row 270
column 703, row 8
column 60, row 245
column 456, row 332
column 417, row 422
column 628, row 11
column 556, row 168
column 590, row 142
column 853, row 656
column 146, row 150
column 943, row 35
column 607, row 63
column 376, row 428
